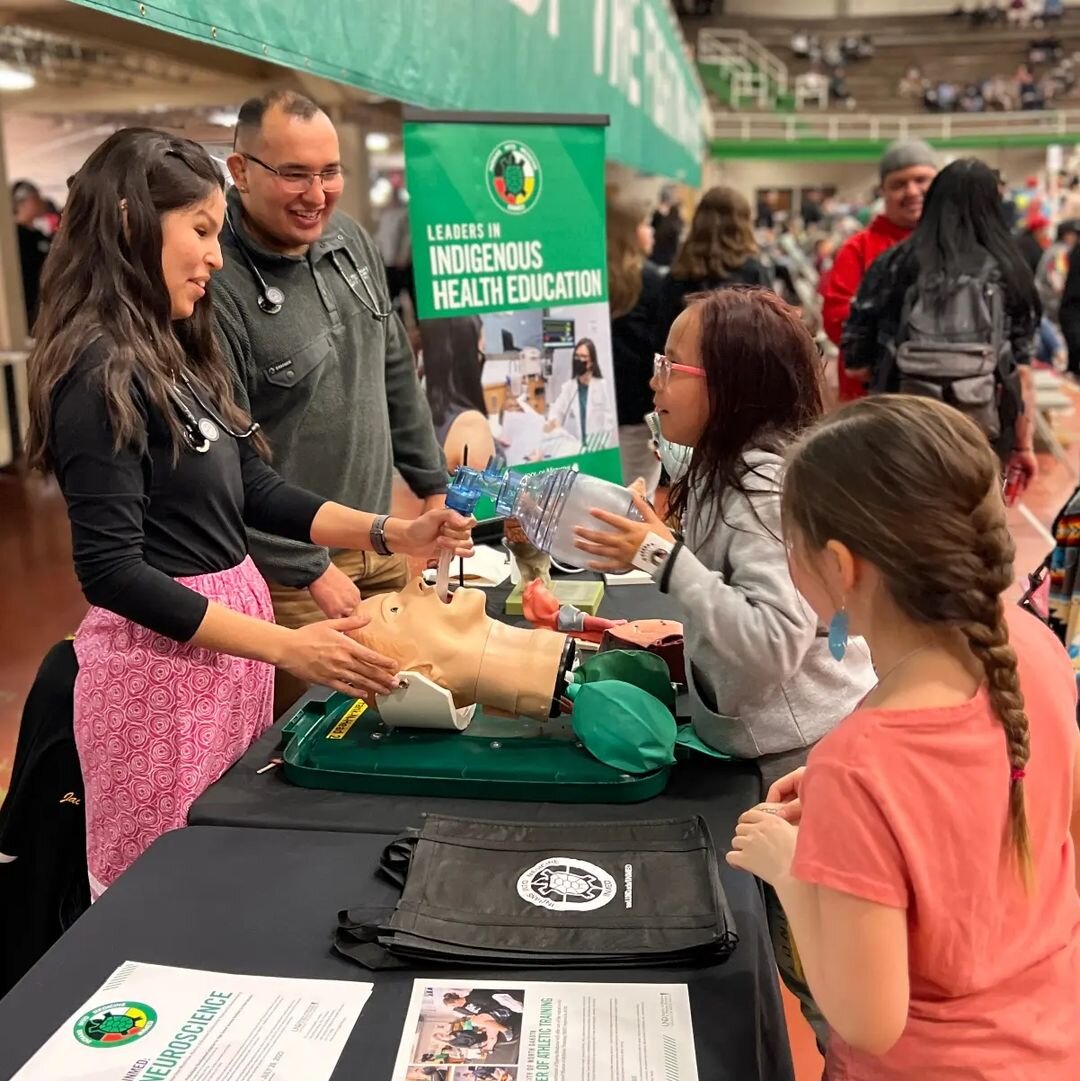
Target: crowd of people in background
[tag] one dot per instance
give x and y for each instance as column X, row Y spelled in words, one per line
column 832, row 52
column 813, row 247
column 1011, row 12
column 829, row 59
column 1023, row 90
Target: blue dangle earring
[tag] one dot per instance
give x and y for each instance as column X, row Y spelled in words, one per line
column 838, row 635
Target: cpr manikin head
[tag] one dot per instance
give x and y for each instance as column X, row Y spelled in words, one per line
column 460, row 647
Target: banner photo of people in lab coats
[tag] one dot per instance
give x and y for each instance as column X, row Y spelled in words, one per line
column 507, row 224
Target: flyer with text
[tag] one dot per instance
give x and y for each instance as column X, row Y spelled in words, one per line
column 458, row 1031
column 157, row 1023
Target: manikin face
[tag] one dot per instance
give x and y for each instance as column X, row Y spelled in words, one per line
column 460, row 647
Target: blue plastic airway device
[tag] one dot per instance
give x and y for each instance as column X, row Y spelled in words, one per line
column 464, row 491
column 469, row 486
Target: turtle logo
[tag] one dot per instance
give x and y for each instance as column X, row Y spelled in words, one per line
column 115, row 1025
column 513, row 177
column 565, row 884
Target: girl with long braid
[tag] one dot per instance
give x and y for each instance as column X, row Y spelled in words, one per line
column 925, row 855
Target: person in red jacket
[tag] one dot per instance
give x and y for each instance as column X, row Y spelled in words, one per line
column 907, row 168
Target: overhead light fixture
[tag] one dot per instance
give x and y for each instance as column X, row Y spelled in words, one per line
column 15, row 79
column 377, row 141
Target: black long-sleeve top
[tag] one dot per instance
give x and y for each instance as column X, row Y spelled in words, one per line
column 635, row 338
column 139, row 520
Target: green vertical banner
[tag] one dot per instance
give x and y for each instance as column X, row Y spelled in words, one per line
column 507, row 222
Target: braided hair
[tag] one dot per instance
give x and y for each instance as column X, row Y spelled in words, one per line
column 912, row 486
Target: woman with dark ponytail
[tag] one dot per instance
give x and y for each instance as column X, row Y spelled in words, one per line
column 925, row 856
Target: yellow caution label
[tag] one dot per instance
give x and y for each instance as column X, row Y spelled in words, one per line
column 348, row 719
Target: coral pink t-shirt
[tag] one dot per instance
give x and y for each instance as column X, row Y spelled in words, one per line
column 908, row 809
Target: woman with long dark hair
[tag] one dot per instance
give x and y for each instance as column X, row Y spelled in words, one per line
column 132, row 409
column 962, row 235
column 453, row 358
column 738, row 382
column 719, row 251
column 582, row 407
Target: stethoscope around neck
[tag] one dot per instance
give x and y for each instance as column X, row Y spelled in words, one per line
column 271, row 299
column 200, row 434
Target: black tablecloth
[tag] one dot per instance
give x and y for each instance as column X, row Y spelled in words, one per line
column 264, row 902
column 717, row 790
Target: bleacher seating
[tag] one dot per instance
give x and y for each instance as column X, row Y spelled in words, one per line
column 944, row 48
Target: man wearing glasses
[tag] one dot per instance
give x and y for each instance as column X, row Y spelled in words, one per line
column 303, row 314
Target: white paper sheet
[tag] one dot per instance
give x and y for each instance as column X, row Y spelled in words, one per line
column 630, row 578
column 547, row 1032
column 522, row 434
column 487, row 566
column 158, row 1023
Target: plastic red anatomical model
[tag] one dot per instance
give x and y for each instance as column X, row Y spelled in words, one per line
column 542, row 609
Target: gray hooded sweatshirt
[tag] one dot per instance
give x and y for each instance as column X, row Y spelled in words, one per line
column 762, row 680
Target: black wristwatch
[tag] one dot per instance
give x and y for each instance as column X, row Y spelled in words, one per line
column 378, row 536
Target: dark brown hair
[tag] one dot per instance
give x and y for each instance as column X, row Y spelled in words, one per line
column 250, row 119
column 763, row 378
column 912, row 486
column 624, row 255
column 103, row 278
column 452, row 365
column 720, row 240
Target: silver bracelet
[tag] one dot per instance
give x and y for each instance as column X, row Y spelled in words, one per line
column 378, row 536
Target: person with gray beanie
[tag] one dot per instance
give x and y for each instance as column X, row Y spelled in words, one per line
column 907, row 168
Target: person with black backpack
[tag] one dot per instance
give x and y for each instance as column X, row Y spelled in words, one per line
column 951, row 314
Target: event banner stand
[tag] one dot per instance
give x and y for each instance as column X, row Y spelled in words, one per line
column 508, row 234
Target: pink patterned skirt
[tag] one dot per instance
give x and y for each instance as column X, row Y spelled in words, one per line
column 158, row 721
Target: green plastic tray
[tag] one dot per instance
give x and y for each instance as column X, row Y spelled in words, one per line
column 340, row 745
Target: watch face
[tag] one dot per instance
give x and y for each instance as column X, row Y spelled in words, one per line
column 655, row 556
column 653, row 553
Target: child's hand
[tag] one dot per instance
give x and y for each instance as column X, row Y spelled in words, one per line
column 764, row 844
column 617, row 549
column 785, row 792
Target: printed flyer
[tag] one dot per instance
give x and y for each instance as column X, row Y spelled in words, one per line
column 508, row 234
column 459, row 1031
column 157, row 1023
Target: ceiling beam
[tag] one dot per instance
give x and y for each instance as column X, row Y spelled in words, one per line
column 110, row 31
column 102, row 98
